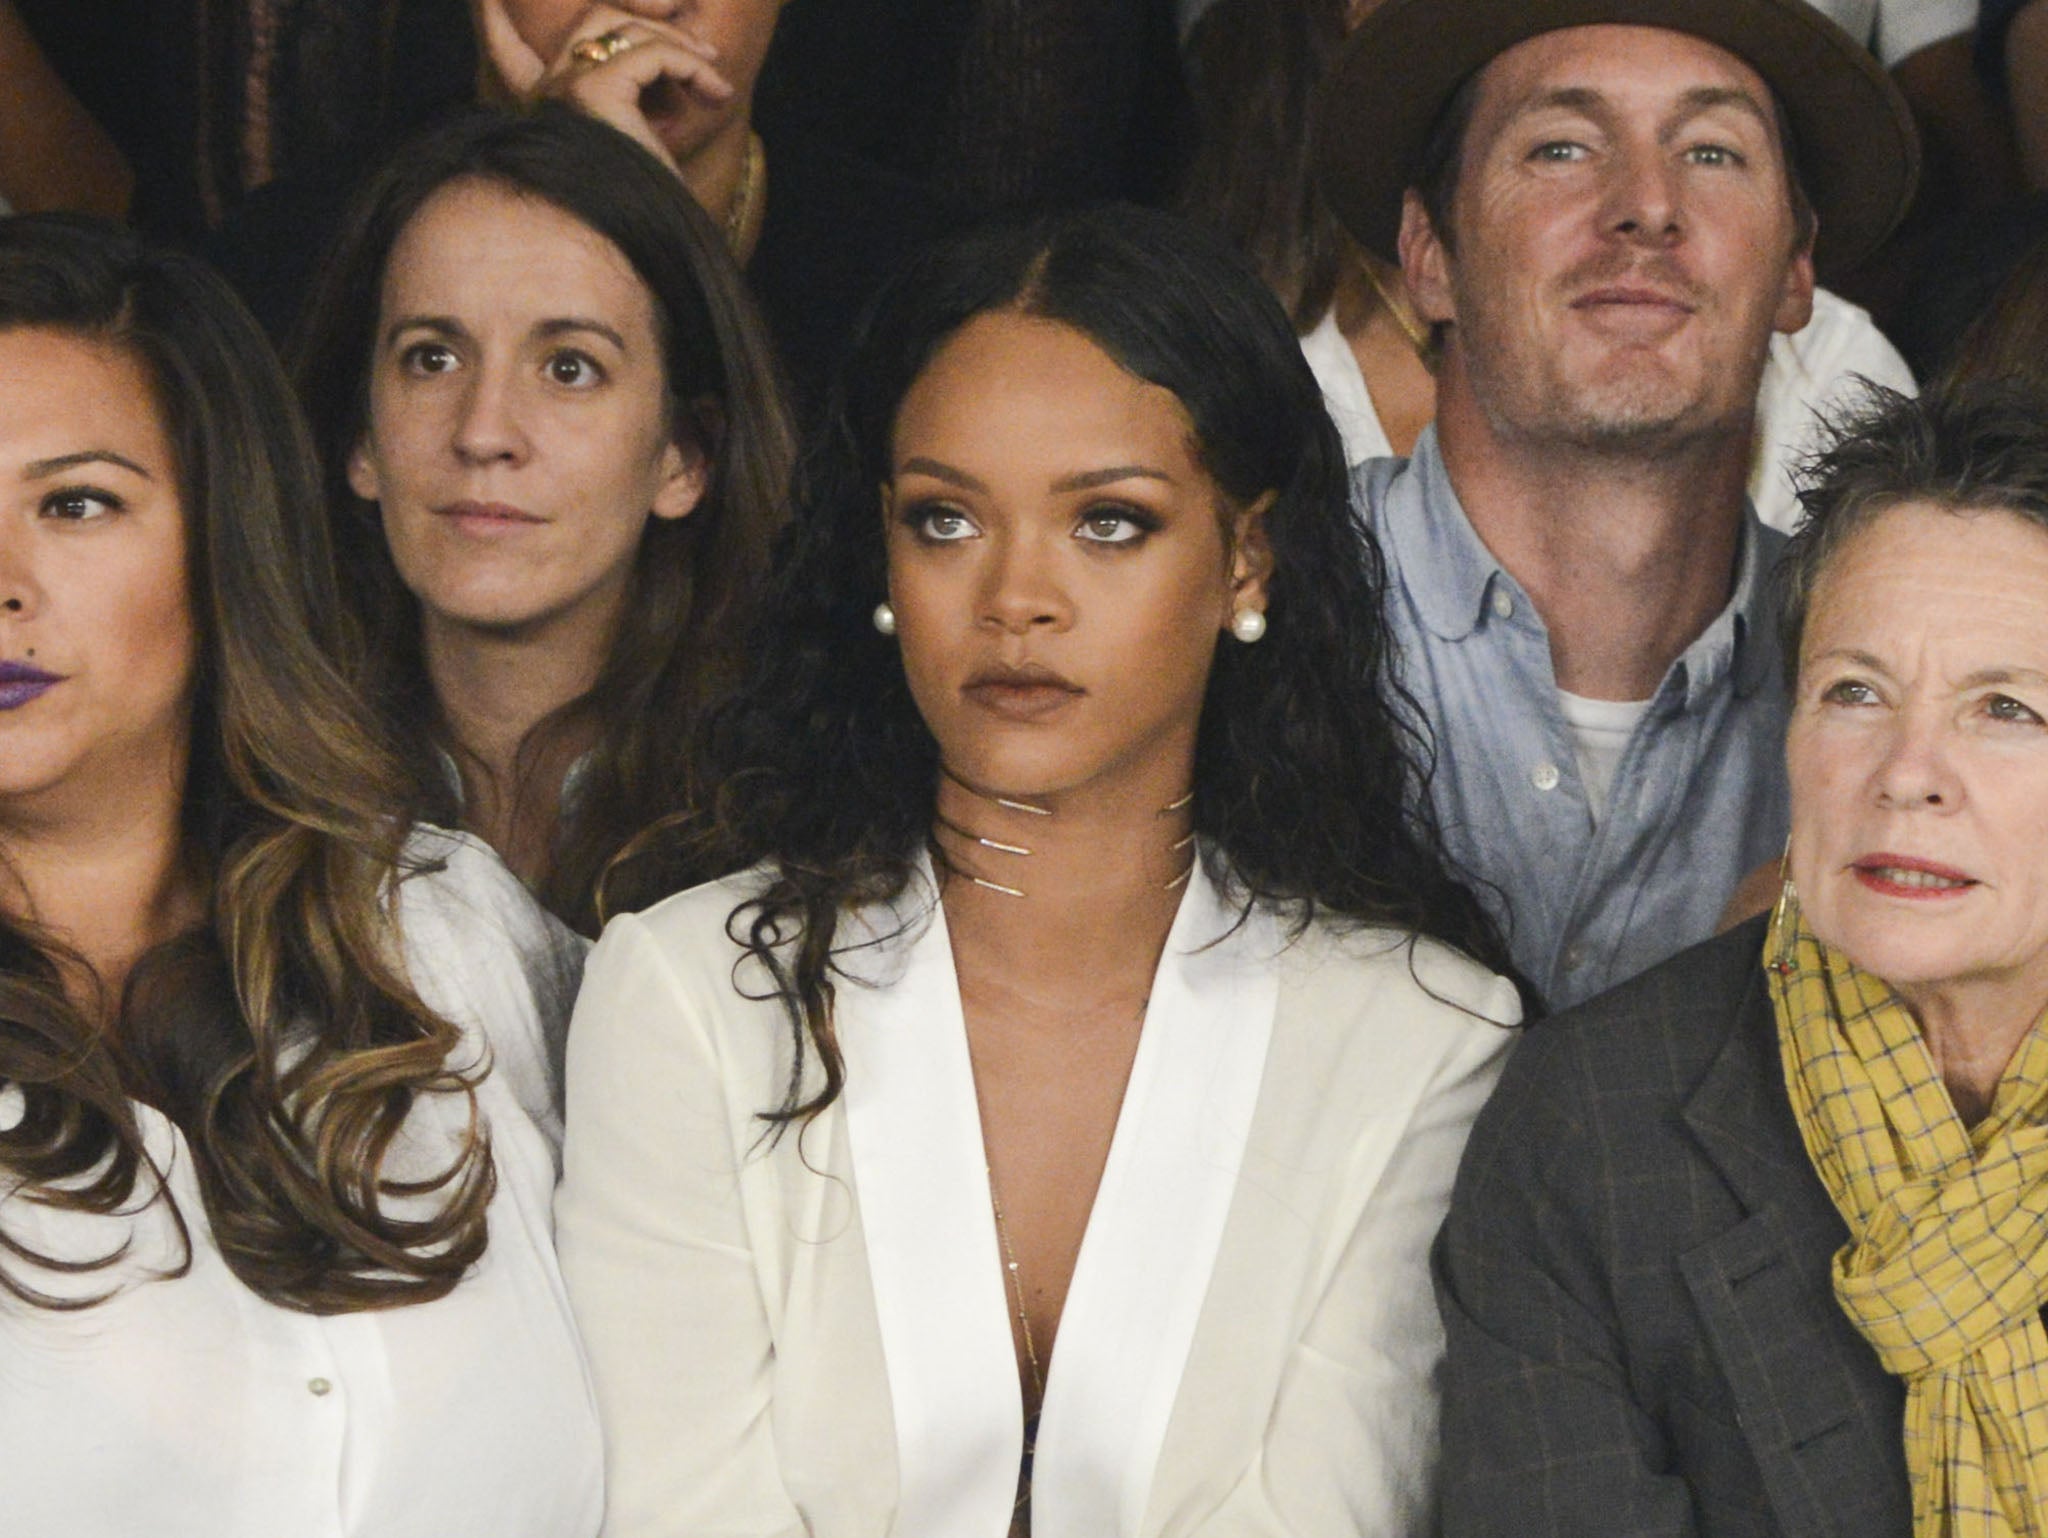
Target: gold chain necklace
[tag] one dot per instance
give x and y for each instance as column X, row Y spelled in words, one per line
column 1020, row 1514
column 741, row 209
column 1016, row 1280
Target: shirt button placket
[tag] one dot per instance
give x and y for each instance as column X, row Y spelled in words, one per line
column 325, row 1399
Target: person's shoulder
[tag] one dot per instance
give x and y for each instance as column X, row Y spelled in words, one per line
column 454, row 884
column 710, row 918
column 483, row 953
column 1654, row 1036
column 1368, row 981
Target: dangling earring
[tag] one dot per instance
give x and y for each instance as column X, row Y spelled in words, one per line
column 1248, row 625
column 885, row 618
column 1784, row 915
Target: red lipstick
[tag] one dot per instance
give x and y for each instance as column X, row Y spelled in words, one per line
column 1909, row 877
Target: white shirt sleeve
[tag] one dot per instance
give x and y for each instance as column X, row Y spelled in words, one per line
column 659, row 1258
column 1345, row 395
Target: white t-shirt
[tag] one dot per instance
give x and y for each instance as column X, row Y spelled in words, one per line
column 1896, row 29
column 1814, row 370
column 189, row 1407
column 1600, row 732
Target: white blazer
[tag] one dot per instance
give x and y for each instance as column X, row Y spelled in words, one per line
column 189, row 1407
column 810, row 1335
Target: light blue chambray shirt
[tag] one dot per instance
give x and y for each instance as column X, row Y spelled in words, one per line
column 1698, row 799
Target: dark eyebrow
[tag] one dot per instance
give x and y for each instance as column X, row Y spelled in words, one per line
column 2004, row 675
column 1704, row 98
column 570, row 323
column 448, row 326
column 1109, row 476
column 1579, row 97
column 1081, row 481
column 41, row 469
column 440, row 325
column 917, row 464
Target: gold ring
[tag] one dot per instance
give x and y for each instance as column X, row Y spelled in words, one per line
column 606, row 45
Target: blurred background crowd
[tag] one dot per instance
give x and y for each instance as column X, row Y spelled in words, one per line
column 239, row 125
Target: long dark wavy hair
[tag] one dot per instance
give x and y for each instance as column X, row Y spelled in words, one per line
column 1309, row 778
column 1253, row 69
column 678, row 645
column 282, row 1035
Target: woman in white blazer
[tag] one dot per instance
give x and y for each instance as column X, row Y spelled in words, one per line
column 1047, row 1130
column 278, row 1128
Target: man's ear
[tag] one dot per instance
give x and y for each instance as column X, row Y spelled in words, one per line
column 362, row 472
column 1425, row 262
column 1795, row 303
column 685, row 476
column 1251, row 558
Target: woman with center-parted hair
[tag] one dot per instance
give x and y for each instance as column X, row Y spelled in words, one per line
column 1046, row 1131
column 277, row 1126
column 556, row 454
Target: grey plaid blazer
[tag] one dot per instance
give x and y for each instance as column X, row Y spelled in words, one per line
column 1634, row 1279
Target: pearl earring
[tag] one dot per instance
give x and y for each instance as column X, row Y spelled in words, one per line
column 1248, row 625
column 885, row 618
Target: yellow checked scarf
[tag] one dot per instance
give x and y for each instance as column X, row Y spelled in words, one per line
column 1946, row 1267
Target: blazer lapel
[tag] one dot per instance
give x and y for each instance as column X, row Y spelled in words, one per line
column 914, row 1131
column 1822, row 1417
column 1151, row 1242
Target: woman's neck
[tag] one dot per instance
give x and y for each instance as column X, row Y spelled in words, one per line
column 1072, row 900
column 1377, row 317
column 493, row 691
column 109, row 884
column 1972, row 1032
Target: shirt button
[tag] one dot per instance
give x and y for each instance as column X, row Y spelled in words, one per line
column 1503, row 602
column 1574, row 957
column 319, row 1386
column 1544, row 777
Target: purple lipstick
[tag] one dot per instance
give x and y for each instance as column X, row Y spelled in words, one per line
column 20, row 683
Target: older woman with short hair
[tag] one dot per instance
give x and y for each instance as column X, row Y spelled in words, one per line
column 1759, row 1242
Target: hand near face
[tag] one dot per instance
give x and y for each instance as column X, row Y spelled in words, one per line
column 664, row 90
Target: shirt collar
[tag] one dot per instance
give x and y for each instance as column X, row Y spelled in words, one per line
column 1452, row 578
column 1741, row 645
column 1444, row 564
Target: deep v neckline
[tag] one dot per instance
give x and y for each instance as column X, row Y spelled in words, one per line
column 1146, row 1255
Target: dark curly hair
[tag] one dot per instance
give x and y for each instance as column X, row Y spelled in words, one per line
column 1308, row 783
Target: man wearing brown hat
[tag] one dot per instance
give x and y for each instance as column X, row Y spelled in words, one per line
column 1606, row 208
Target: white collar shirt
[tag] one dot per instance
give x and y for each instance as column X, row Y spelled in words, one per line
column 190, row 1407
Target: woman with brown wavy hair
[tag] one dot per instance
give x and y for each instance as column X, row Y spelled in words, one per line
column 556, row 453
column 277, row 1130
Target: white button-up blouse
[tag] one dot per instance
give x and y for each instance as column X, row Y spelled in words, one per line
column 189, row 1407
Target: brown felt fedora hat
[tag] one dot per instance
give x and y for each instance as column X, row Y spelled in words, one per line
column 1857, row 152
